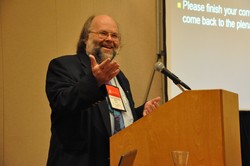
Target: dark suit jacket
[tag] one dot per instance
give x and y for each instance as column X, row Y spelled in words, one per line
column 80, row 120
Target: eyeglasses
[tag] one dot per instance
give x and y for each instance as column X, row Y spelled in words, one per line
column 105, row 34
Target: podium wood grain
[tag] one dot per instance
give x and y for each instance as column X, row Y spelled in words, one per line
column 203, row 122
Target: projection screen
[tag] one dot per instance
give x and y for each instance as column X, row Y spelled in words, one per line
column 208, row 45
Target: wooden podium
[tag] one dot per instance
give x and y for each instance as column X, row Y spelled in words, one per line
column 203, row 122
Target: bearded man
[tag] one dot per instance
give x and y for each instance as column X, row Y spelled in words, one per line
column 80, row 89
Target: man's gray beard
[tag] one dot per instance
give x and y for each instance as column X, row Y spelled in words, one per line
column 100, row 57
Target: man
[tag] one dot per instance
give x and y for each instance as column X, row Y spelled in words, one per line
column 83, row 102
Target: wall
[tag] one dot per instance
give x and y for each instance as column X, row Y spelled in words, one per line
column 1, row 93
column 34, row 32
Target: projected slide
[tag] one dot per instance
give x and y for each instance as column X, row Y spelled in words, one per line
column 221, row 19
column 208, row 45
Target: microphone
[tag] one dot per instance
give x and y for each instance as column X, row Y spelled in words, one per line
column 161, row 68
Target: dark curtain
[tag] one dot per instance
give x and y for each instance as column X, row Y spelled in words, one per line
column 245, row 137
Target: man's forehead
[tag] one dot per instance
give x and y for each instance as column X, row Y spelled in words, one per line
column 104, row 21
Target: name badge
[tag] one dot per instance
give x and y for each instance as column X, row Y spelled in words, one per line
column 114, row 97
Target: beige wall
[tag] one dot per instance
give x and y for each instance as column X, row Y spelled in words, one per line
column 34, row 32
column 1, row 94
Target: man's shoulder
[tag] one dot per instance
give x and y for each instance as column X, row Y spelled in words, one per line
column 65, row 57
column 68, row 63
column 68, row 59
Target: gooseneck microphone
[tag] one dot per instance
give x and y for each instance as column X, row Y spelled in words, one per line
column 161, row 68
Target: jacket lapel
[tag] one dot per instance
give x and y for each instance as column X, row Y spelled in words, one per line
column 104, row 110
column 85, row 61
column 103, row 107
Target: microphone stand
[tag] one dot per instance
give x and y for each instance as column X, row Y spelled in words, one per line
column 151, row 79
